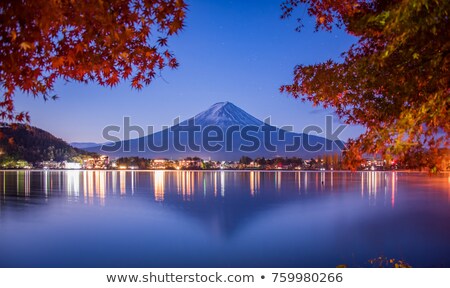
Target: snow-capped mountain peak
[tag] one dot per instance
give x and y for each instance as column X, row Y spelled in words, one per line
column 225, row 114
column 229, row 147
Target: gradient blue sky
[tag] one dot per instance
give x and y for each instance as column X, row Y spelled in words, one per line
column 237, row 51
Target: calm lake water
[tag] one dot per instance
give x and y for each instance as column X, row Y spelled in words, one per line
column 222, row 218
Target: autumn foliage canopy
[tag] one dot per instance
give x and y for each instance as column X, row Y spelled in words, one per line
column 394, row 80
column 102, row 41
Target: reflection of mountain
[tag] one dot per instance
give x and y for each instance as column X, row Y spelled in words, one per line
column 220, row 218
column 225, row 202
column 222, row 201
column 232, row 133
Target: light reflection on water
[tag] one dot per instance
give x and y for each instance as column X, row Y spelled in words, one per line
column 95, row 186
column 226, row 218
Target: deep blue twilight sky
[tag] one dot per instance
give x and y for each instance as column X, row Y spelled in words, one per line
column 237, row 51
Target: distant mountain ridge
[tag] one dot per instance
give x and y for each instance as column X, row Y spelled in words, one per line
column 221, row 116
column 83, row 145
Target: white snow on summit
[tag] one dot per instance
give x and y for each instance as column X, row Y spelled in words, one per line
column 225, row 114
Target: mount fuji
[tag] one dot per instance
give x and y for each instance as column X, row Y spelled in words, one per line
column 225, row 114
column 223, row 132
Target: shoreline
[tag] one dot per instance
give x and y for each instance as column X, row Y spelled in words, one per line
column 219, row 170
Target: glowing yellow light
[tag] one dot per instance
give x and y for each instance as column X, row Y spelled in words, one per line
column 122, row 182
column 222, row 183
column 215, row 184
column 159, row 185
column 393, row 188
column 252, row 183
column 101, row 179
column 90, row 185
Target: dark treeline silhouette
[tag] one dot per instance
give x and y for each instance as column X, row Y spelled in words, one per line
column 22, row 142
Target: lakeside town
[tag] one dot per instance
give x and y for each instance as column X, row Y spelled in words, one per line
column 102, row 162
